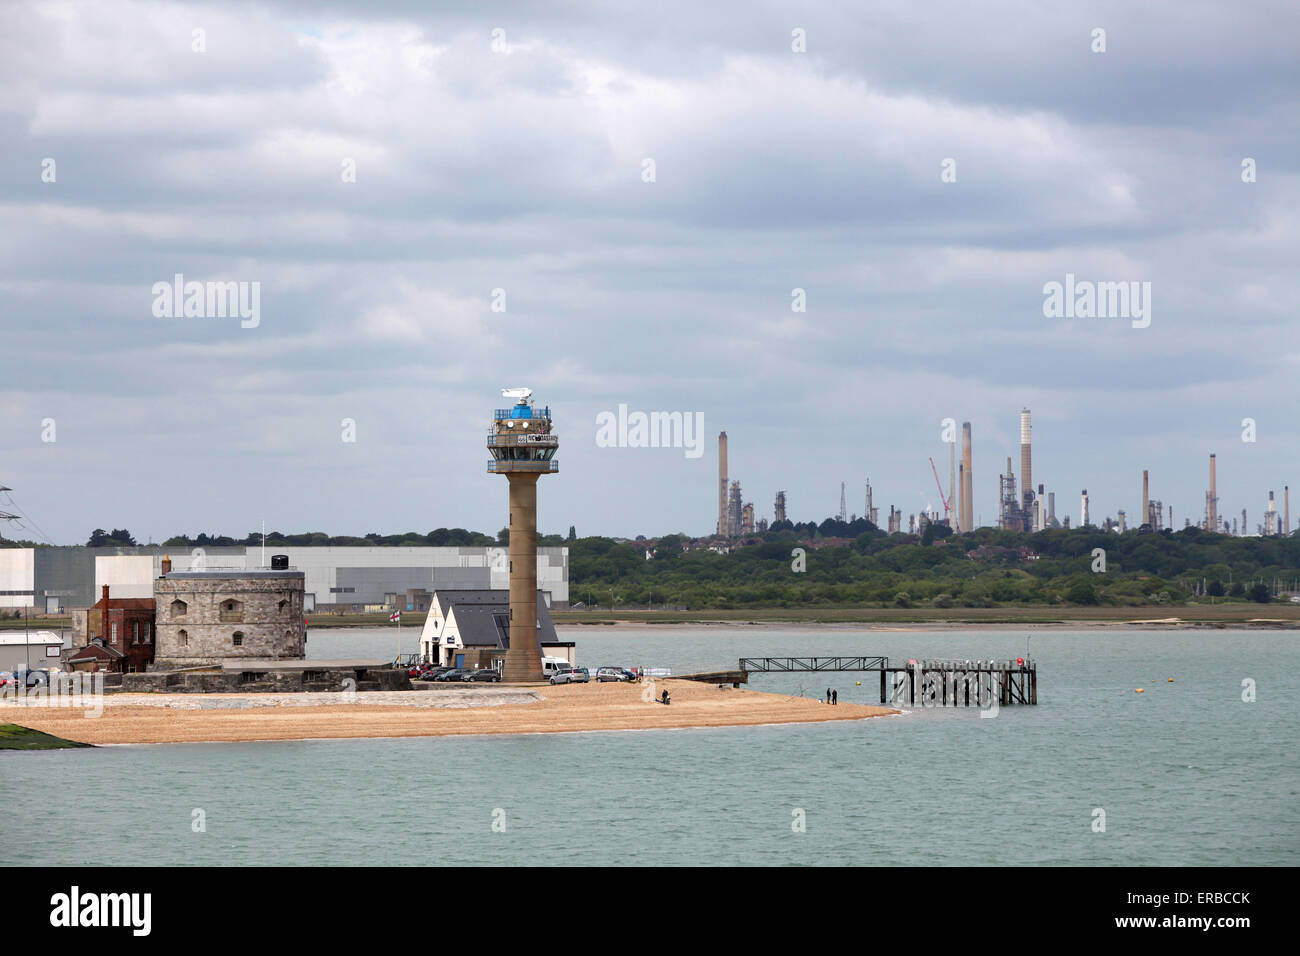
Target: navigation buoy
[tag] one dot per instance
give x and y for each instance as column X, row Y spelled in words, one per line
column 1138, row 691
column 1171, row 680
column 860, row 682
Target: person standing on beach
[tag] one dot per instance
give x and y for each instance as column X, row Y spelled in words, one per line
column 835, row 697
column 828, row 695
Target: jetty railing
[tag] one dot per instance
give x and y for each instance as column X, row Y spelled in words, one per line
column 772, row 665
column 986, row 684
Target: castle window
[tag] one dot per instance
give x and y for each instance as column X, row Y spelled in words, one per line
column 231, row 611
column 147, row 638
column 115, row 633
column 179, row 608
column 284, row 605
column 238, row 638
column 183, row 637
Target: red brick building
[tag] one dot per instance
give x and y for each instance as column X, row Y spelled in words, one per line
column 119, row 635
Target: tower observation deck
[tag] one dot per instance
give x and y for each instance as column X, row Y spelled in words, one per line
column 523, row 448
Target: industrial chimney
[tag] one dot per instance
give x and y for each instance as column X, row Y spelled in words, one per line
column 1083, row 509
column 967, row 487
column 1212, row 505
column 723, row 530
column 1146, row 501
column 1026, row 465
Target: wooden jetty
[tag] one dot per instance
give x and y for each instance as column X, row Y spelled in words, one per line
column 986, row 684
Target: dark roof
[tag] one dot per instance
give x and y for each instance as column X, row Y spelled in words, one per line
column 95, row 652
column 483, row 625
column 450, row 597
column 488, row 625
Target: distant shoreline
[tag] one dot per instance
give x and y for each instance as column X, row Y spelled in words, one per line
column 1234, row 615
column 1135, row 625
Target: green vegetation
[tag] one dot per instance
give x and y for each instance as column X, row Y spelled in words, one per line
column 118, row 537
column 438, row 538
column 1209, row 615
column 13, row 737
column 985, row 569
column 857, row 566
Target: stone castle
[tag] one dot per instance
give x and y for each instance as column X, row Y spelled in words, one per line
column 215, row 616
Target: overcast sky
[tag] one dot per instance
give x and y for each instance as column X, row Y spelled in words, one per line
column 523, row 168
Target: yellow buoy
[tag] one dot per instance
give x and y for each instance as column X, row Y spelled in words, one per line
column 1138, row 691
column 1171, row 680
column 859, row 683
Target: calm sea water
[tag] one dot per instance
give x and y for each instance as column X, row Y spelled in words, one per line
column 1187, row 773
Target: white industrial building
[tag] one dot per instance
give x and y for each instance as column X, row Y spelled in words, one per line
column 352, row 578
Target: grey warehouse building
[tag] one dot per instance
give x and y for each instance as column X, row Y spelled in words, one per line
column 336, row 578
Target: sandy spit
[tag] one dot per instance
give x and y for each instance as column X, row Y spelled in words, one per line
column 174, row 718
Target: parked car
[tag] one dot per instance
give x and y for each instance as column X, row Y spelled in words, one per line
column 554, row 665
column 487, row 674
column 33, row 678
column 606, row 674
column 434, row 672
column 579, row 675
column 7, row 679
column 455, row 673
column 561, row 673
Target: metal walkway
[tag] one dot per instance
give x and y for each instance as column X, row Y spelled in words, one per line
column 775, row 665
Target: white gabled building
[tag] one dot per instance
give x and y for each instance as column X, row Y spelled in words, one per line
column 471, row 628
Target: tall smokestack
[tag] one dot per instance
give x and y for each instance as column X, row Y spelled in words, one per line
column 1145, row 515
column 1026, row 463
column 953, row 504
column 961, row 494
column 1270, row 522
column 967, row 487
column 1083, row 509
column 1286, row 509
column 723, row 529
column 1213, row 516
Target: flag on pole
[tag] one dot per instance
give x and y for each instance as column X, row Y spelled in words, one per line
column 396, row 617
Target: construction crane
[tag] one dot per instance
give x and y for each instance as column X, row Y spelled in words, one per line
column 940, row 487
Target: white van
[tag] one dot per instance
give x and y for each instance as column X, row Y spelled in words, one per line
column 554, row 665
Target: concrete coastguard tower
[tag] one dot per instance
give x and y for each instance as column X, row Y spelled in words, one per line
column 522, row 447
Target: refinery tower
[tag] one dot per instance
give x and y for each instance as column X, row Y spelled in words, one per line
column 522, row 446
